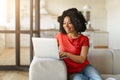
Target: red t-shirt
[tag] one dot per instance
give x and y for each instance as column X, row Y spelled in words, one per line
column 72, row 46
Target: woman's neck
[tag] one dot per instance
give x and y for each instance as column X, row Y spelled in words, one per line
column 73, row 35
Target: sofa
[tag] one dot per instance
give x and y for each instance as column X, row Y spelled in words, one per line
column 107, row 61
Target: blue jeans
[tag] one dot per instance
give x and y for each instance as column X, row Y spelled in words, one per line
column 88, row 73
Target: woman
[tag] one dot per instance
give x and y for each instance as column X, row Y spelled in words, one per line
column 74, row 46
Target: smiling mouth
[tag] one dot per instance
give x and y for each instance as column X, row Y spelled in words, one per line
column 67, row 30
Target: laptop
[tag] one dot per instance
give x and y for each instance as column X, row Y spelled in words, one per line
column 45, row 47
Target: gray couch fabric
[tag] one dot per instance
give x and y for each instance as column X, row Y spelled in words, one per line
column 107, row 61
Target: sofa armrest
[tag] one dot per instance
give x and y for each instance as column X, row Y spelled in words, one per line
column 47, row 69
column 116, row 59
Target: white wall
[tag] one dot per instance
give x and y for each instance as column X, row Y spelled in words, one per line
column 113, row 23
column 105, row 15
column 98, row 10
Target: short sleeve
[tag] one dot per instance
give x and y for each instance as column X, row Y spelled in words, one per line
column 86, row 41
column 57, row 37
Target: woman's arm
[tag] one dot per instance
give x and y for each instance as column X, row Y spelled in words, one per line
column 77, row 58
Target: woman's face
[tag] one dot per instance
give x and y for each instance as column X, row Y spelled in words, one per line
column 68, row 26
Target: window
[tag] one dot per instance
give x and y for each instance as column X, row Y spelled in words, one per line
column 17, row 27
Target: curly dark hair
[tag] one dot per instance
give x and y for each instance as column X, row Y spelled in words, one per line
column 76, row 17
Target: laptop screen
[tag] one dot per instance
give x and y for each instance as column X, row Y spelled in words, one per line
column 45, row 47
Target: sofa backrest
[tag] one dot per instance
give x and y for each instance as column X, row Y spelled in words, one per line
column 102, row 59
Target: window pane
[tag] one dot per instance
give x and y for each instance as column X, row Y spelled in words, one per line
column 24, row 49
column 7, row 14
column 24, row 14
column 7, row 49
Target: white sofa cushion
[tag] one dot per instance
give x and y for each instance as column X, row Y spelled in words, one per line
column 47, row 69
column 110, row 76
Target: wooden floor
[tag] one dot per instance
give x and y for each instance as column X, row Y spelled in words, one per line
column 14, row 75
column 7, row 57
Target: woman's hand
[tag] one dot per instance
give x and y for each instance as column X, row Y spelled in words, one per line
column 63, row 54
column 76, row 58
